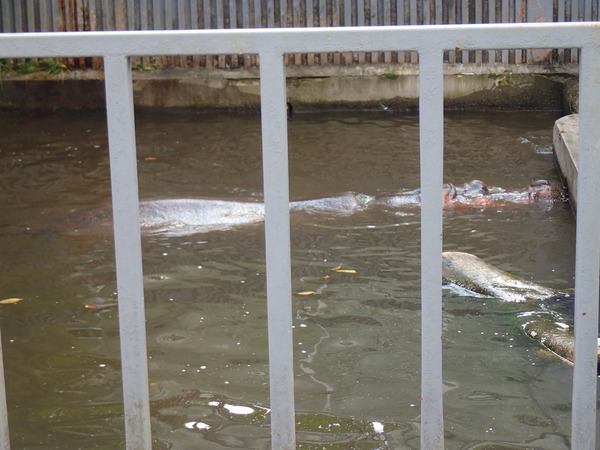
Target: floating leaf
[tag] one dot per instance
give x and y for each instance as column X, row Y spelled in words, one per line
column 327, row 277
column 337, row 268
column 100, row 307
column 10, row 301
column 346, row 271
column 305, row 293
column 150, row 158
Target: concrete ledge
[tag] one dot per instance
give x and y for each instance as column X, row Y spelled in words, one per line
column 366, row 87
column 566, row 147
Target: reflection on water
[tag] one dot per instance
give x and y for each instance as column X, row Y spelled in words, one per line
column 356, row 330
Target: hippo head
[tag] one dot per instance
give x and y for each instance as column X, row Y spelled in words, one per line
column 542, row 191
column 475, row 188
column 448, row 195
column 471, row 194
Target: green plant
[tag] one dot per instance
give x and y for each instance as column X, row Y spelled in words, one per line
column 27, row 66
column 53, row 66
column 5, row 65
column 141, row 67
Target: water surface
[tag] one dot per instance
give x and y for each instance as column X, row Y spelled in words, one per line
column 356, row 339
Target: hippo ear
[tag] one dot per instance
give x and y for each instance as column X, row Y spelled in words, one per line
column 452, row 192
column 539, row 183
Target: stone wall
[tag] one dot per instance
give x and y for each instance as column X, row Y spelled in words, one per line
column 370, row 87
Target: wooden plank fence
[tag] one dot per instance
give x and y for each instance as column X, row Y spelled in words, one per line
column 96, row 15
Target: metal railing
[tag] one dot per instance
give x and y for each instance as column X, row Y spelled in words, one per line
column 271, row 45
column 108, row 15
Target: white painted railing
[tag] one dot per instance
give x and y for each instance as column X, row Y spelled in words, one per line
column 271, row 45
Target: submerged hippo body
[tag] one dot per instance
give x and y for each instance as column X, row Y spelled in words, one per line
column 170, row 215
column 476, row 194
column 179, row 216
column 540, row 323
column 474, row 274
column 197, row 215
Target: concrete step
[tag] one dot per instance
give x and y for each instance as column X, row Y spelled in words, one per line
column 566, row 146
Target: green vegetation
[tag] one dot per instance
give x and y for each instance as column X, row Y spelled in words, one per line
column 27, row 66
column 141, row 67
column 390, row 76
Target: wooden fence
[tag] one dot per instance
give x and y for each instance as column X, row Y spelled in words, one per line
column 92, row 15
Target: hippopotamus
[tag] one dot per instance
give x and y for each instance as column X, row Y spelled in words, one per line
column 180, row 216
column 477, row 194
column 539, row 321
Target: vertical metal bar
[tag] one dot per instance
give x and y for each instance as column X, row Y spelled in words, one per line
column 207, row 24
column 4, row 434
column 387, row 20
column 120, row 15
column 233, row 19
column 206, row 13
column 143, row 14
column 270, row 15
column 230, row 15
column 257, row 14
column 347, row 13
column 220, row 12
column 310, row 22
column 182, row 16
column 45, row 16
column 348, row 56
column 451, row 6
column 128, row 251
column 105, row 16
column 169, row 15
column 18, row 11
column 283, row 14
column 360, row 21
column 30, row 11
column 131, row 15
column 431, row 135
column 277, row 241
column 587, row 250
column 6, row 16
column 157, row 14
column 182, row 24
column 373, row 20
column 322, row 20
column 245, row 15
column 485, row 18
column 360, row 13
column 336, row 21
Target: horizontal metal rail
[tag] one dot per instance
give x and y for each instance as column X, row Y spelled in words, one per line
column 271, row 45
column 104, row 15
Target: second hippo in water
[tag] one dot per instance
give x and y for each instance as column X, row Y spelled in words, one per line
column 477, row 194
column 182, row 216
column 540, row 322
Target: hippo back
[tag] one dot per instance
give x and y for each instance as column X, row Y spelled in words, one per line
column 200, row 214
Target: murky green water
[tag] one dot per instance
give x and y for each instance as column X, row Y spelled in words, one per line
column 356, row 340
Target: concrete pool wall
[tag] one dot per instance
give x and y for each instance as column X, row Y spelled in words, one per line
column 370, row 87
column 566, row 149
